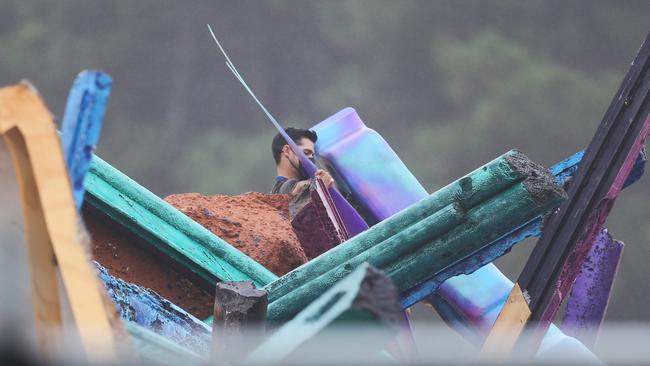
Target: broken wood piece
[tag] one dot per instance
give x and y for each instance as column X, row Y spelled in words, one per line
column 52, row 228
column 365, row 302
column 427, row 247
column 81, row 125
column 238, row 324
column 317, row 227
column 587, row 303
column 507, row 328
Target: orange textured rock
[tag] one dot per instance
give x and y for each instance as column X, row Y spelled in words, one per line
column 255, row 223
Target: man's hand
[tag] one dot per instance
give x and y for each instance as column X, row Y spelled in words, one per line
column 325, row 177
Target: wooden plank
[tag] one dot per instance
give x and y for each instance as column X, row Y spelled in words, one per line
column 365, row 299
column 52, row 225
column 82, row 123
column 423, row 249
column 239, row 315
column 168, row 230
column 587, row 303
column 507, row 328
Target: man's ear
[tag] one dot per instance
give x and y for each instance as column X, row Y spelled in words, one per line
column 286, row 149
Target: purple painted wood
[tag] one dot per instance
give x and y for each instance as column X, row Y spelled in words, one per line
column 574, row 262
column 587, row 303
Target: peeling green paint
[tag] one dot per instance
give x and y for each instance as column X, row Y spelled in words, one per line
column 168, row 230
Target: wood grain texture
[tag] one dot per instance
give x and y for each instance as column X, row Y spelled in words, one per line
column 507, row 328
column 52, row 226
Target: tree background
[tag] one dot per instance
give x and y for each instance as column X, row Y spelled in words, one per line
column 449, row 84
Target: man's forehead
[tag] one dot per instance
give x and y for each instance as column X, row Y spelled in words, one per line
column 306, row 143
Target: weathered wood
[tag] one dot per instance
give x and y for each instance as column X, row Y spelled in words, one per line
column 168, row 230
column 239, row 316
column 152, row 311
column 562, row 171
column 425, row 248
column 365, row 300
column 52, row 227
column 587, row 303
column 507, row 328
column 157, row 350
column 82, row 123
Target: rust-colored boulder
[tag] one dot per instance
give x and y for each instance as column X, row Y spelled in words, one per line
column 255, row 223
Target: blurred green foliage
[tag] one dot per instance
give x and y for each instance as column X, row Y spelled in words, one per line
column 450, row 85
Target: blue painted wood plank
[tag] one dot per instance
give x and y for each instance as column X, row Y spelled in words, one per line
column 82, row 123
column 152, row 311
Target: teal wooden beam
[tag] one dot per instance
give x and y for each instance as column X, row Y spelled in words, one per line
column 168, row 230
column 366, row 299
column 421, row 241
column 474, row 187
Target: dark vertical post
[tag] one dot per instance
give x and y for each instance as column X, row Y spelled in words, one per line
column 239, row 316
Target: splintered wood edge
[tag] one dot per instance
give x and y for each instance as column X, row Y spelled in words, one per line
column 507, row 328
column 28, row 127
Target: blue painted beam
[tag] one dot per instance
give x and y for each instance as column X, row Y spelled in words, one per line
column 157, row 314
column 82, row 123
column 562, row 171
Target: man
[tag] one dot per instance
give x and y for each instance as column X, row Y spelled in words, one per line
column 291, row 177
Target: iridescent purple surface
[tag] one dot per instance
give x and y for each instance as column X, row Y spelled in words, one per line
column 362, row 162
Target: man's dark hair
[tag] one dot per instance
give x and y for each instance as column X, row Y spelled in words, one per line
column 296, row 135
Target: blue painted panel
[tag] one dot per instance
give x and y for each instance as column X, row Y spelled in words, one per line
column 154, row 312
column 82, row 123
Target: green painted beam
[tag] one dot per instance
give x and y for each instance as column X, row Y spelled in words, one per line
column 465, row 192
column 155, row 349
column 168, row 230
column 433, row 234
column 366, row 299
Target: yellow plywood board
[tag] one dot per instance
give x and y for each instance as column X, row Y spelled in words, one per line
column 53, row 232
